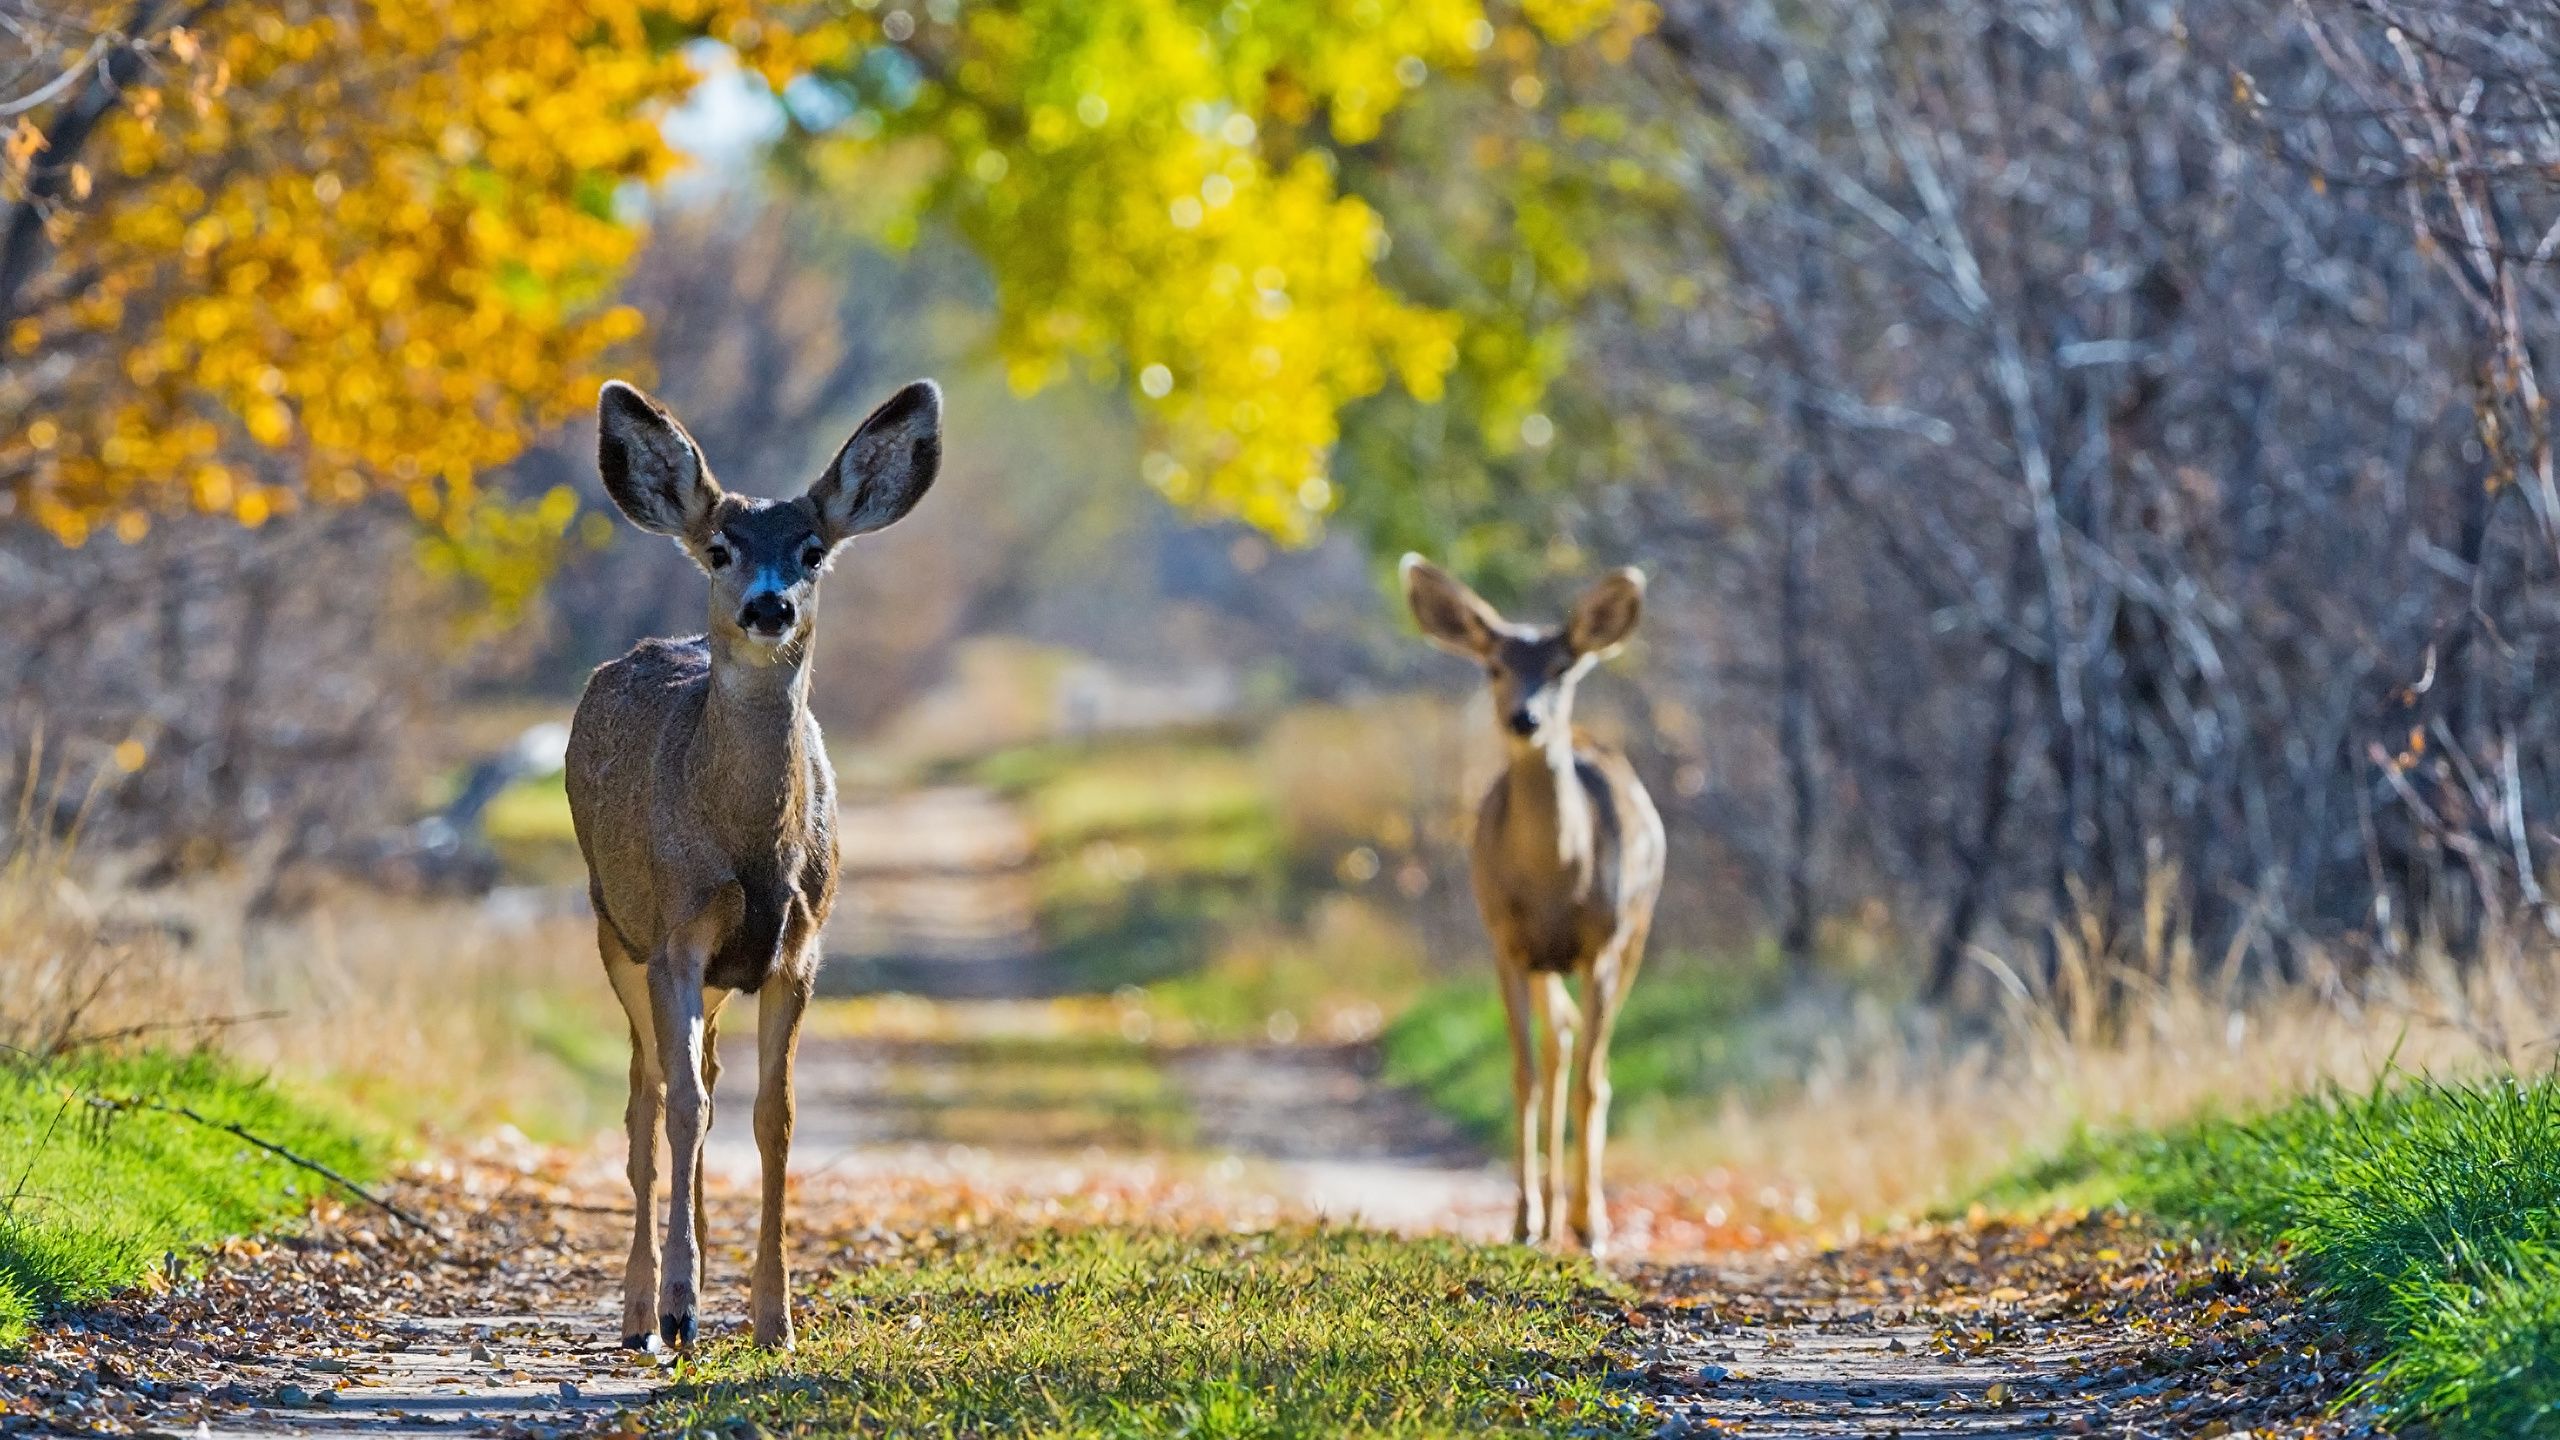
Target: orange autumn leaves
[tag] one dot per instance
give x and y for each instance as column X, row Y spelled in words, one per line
column 319, row 251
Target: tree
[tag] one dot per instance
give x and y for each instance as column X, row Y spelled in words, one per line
column 2058, row 451
column 1156, row 187
column 258, row 255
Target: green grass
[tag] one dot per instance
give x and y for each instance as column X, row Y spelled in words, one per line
column 1035, row 1092
column 1114, row 1332
column 535, row 809
column 2427, row 1213
column 1351, row 958
column 1684, row 1038
column 528, row 827
column 91, row 1201
column 1148, row 851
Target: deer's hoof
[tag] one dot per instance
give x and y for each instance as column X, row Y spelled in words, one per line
column 1528, row 1227
column 1591, row 1232
column 641, row 1343
column 677, row 1330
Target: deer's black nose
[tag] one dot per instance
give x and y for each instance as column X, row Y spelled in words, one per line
column 1523, row 723
column 767, row 614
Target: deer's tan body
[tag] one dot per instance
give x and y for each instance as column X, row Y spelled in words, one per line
column 724, row 793
column 1567, row 860
column 1567, row 856
column 705, row 808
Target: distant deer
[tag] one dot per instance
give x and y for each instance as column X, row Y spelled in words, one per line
column 1567, row 861
column 705, row 807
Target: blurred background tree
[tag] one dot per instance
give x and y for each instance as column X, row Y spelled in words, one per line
column 2095, row 471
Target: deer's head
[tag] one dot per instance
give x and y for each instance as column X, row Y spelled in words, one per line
column 764, row 557
column 1533, row 668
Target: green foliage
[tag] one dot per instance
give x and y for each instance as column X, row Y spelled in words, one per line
column 2428, row 1213
column 1117, row 1332
column 1684, row 1036
column 1525, row 221
column 1155, row 187
column 94, row 1200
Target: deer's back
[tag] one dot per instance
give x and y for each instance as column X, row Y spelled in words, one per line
column 1557, row 910
column 656, row 851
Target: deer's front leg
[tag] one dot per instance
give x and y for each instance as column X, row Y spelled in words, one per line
column 778, row 1010
column 1528, row 1217
column 1587, row 1214
column 1605, row 984
column 675, row 993
column 630, row 982
column 1557, row 1021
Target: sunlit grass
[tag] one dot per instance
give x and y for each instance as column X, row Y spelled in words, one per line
column 1076, row 795
column 1117, row 1332
column 1028, row 1092
column 533, row 810
column 91, row 1201
column 1145, row 852
column 2426, row 1212
column 1337, row 977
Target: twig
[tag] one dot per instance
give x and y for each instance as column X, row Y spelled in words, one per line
column 119, row 1102
column 59, row 83
column 210, row 1022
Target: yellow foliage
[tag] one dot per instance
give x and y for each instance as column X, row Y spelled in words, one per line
column 1148, row 185
column 332, row 249
column 327, row 249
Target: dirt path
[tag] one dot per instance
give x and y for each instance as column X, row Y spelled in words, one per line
column 505, row 1321
column 1306, row 1128
column 2074, row 1325
column 2078, row 1326
column 920, row 1116
column 357, row 1326
column 936, row 898
column 938, row 903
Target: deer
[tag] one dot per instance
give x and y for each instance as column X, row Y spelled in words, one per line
column 705, row 808
column 1567, row 862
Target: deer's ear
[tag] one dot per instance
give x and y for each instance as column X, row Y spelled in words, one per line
column 1452, row 616
column 885, row 468
column 1606, row 614
column 651, row 468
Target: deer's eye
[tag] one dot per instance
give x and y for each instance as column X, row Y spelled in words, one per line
column 717, row 554
column 812, row 555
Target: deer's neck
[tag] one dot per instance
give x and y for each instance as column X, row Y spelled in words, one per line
column 1547, row 813
column 753, row 756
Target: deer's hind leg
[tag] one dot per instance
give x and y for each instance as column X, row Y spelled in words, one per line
column 1604, row 987
column 640, row 1117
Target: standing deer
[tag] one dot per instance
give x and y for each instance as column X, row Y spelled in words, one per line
column 705, row 807
column 1567, row 862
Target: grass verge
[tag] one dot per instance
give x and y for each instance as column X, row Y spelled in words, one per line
column 2427, row 1212
column 94, row 1200
column 1108, row 1332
